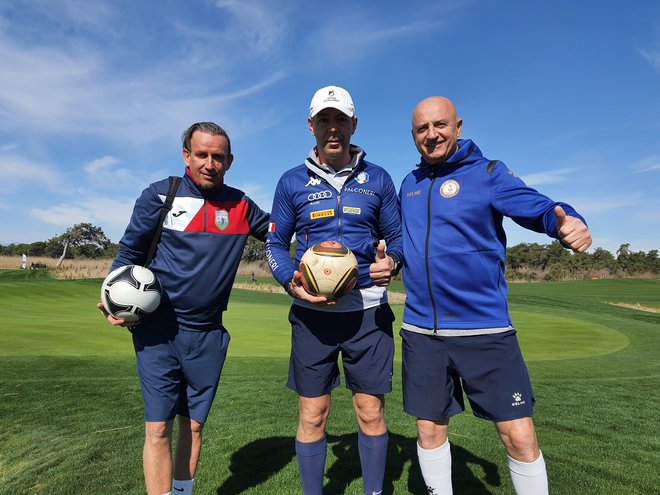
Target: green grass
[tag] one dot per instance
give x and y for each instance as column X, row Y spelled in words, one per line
column 71, row 415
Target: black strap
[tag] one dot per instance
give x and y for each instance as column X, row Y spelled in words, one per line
column 167, row 206
column 491, row 166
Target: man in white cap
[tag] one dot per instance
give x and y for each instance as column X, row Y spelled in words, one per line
column 336, row 195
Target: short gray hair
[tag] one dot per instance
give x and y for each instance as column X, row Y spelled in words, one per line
column 207, row 128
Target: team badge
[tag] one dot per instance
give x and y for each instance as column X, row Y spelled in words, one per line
column 362, row 178
column 449, row 188
column 221, row 219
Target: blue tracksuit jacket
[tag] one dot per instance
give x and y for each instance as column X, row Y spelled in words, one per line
column 454, row 243
column 365, row 210
column 199, row 250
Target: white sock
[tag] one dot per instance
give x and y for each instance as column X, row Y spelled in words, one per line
column 182, row 487
column 529, row 478
column 435, row 465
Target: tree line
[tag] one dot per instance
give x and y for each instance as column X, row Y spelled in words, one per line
column 534, row 261
column 528, row 262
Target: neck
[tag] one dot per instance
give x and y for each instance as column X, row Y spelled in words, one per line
column 335, row 162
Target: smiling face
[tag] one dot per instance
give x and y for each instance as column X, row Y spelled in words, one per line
column 207, row 159
column 333, row 130
column 435, row 129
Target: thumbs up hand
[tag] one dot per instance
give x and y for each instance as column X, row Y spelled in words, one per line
column 381, row 271
column 572, row 231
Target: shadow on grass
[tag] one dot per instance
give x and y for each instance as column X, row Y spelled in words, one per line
column 257, row 461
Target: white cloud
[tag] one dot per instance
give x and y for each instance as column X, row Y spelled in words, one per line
column 259, row 25
column 20, row 173
column 111, row 214
column 647, row 164
column 548, row 177
column 652, row 57
column 9, row 147
column 343, row 37
column 610, row 203
column 87, row 85
column 353, row 37
column 101, row 164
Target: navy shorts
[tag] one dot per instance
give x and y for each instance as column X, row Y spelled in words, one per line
column 364, row 339
column 489, row 368
column 179, row 370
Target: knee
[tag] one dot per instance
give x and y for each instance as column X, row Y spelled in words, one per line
column 158, row 431
column 190, row 425
column 370, row 414
column 314, row 418
column 520, row 442
column 431, row 434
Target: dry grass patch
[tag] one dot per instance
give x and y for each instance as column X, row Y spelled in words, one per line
column 637, row 306
column 83, row 268
column 70, row 269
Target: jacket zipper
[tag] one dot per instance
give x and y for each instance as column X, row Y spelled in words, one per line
column 426, row 253
column 339, row 218
column 204, row 215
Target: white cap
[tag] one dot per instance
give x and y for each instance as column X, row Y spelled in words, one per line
column 332, row 97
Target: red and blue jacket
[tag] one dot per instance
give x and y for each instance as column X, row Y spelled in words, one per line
column 454, row 243
column 200, row 248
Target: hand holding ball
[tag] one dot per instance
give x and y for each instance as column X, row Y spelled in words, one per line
column 130, row 292
column 329, row 269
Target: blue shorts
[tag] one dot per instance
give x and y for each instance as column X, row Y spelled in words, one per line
column 489, row 368
column 364, row 339
column 179, row 370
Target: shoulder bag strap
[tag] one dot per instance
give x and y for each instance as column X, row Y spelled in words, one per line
column 167, row 206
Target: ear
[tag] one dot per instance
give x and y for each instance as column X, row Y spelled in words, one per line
column 230, row 160
column 310, row 124
column 459, row 126
column 355, row 120
column 186, row 157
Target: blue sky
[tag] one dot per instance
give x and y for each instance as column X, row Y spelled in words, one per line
column 94, row 97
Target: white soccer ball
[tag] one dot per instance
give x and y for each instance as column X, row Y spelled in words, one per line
column 130, row 292
column 329, row 269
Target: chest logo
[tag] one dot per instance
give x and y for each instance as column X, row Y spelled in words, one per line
column 350, row 210
column 313, row 181
column 362, row 178
column 221, row 219
column 449, row 188
column 315, row 196
column 321, row 214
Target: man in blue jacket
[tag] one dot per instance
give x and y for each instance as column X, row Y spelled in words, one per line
column 181, row 347
column 457, row 333
column 336, row 195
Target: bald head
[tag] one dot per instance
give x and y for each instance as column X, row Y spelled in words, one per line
column 436, row 128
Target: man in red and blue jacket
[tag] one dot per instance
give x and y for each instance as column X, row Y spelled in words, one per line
column 181, row 347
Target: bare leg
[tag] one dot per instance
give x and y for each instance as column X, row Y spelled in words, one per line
column 157, row 457
column 188, row 448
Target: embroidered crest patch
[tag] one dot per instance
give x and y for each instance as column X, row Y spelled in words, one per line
column 449, row 188
column 221, row 219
